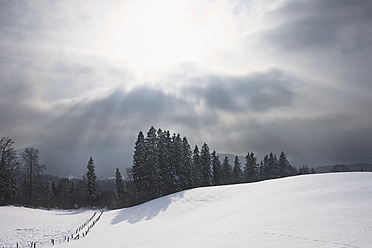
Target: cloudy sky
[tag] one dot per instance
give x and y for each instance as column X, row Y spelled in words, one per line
column 83, row 78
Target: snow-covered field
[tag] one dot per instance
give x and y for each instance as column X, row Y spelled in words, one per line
column 24, row 225
column 324, row 210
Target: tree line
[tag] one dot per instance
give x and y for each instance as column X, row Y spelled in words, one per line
column 162, row 164
column 22, row 182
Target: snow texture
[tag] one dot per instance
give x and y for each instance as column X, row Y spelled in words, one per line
column 324, row 210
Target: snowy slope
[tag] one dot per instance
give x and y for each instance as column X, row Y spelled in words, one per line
column 24, row 225
column 325, row 210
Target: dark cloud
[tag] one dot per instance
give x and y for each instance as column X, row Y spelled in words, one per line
column 313, row 141
column 344, row 25
column 61, row 94
column 256, row 92
column 102, row 126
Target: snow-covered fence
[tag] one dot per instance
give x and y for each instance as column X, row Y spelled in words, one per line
column 81, row 231
column 51, row 240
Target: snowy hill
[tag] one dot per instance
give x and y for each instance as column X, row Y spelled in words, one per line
column 324, row 210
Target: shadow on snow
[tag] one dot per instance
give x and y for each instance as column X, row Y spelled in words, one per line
column 145, row 211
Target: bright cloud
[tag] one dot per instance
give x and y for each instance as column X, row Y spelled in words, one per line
column 240, row 75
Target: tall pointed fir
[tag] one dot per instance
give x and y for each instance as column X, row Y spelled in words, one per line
column 176, row 158
column 216, row 169
column 9, row 166
column 185, row 175
column 166, row 169
column 274, row 164
column 151, row 173
column 120, row 190
column 284, row 165
column 251, row 168
column 265, row 169
column 91, row 181
column 237, row 173
column 139, row 159
column 226, row 171
column 205, row 166
column 196, row 171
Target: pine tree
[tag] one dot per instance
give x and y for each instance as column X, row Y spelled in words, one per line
column 48, row 196
column 91, row 181
column 152, row 173
column 274, row 164
column 251, row 168
column 270, row 167
column 176, row 158
column 196, row 167
column 205, row 166
column 284, row 166
column 9, row 168
column 120, row 191
column 217, row 169
column 186, row 180
column 139, row 159
column 237, row 173
column 226, row 171
column 167, row 173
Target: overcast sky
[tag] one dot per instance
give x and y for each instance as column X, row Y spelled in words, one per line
column 244, row 76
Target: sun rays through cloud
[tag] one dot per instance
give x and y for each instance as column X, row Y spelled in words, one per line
column 241, row 75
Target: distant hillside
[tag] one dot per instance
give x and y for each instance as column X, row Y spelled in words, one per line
column 351, row 167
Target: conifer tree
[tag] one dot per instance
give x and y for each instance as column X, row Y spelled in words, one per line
column 120, row 191
column 151, row 172
column 186, row 180
column 270, row 167
column 226, row 171
column 274, row 165
column 176, row 158
column 196, row 171
column 237, row 173
column 216, row 169
column 284, row 165
column 139, row 159
column 251, row 168
column 167, row 172
column 205, row 166
column 91, row 181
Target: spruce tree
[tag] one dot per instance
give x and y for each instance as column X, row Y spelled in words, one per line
column 196, row 171
column 284, row 166
column 216, row 169
column 152, row 173
column 186, row 180
column 205, row 166
column 120, row 191
column 226, row 171
column 251, row 168
column 274, row 165
column 139, row 159
column 167, row 172
column 91, row 181
column 237, row 173
column 176, row 158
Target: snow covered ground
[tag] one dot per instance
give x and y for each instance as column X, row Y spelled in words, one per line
column 24, row 225
column 324, row 210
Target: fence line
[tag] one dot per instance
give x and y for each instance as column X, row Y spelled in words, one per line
column 80, row 232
